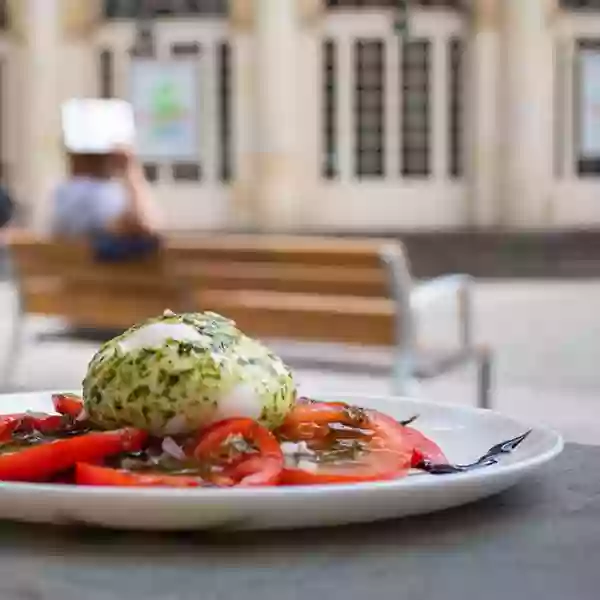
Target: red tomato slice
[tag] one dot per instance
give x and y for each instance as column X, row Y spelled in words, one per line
column 262, row 468
column 86, row 474
column 387, row 453
column 8, row 424
column 40, row 462
column 28, row 422
column 424, row 448
column 311, row 420
column 41, row 422
column 44, row 423
column 67, row 404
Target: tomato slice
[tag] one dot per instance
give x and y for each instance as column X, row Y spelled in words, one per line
column 41, row 422
column 68, row 404
column 8, row 424
column 385, row 451
column 42, row 461
column 45, row 423
column 86, row 474
column 424, row 449
column 260, row 466
column 308, row 421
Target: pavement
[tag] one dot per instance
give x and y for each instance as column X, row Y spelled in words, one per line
column 545, row 334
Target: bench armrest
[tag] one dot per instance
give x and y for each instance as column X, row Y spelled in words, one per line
column 448, row 287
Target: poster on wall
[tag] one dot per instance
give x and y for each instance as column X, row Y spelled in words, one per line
column 166, row 102
column 589, row 127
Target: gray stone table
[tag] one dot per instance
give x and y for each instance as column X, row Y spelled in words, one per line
column 540, row 540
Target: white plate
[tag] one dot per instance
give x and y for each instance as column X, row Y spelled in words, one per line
column 464, row 433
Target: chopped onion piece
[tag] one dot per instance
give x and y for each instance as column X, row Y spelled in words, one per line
column 295, row 448
column 172, row 448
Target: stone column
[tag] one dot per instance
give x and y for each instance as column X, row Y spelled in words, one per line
column 56, row 60
column 276, row 140
column 40, row 163
column 529, row 112
column 311, row 16
column 241, row 22
column 483, row 106
column 79, row 22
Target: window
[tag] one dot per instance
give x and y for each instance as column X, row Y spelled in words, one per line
column 132, row 9
column 185, row 49
column 122, row 9
column 456, row 115
column 395, row 4
column 186, row 170
column 580, row 4
column 453, row 4
column 586, row 99
column 369, row 107
column 224, row 103
column 145, row 43
column 106, row 74
column 4, row 15
column 330, row 167
column 362, row 3
column 4, row 175
column 151, row 172
column 416, row 117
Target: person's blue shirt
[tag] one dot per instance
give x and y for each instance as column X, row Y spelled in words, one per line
column 86, row 208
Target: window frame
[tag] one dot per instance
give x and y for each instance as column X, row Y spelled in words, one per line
column 112, row 10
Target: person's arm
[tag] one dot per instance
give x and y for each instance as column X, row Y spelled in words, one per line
column 141, row 214
column 142, row 208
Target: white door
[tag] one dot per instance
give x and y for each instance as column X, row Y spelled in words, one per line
column 194, row 194
column 576, row 189
column 391, row 121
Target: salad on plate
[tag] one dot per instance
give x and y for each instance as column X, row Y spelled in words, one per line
column 189, row 401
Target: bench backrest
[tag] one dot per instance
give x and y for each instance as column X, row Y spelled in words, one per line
column 59, row 278
column 310, row 288
column 326, row 289
column 308, row 265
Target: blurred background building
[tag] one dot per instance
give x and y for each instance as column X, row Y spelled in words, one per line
column 342, row 115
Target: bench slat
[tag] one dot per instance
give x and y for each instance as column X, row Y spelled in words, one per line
column 308, row 317
column 313, row 279
column 280, row 250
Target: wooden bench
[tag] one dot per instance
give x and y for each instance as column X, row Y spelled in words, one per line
column 328, row 290
column 275, row 287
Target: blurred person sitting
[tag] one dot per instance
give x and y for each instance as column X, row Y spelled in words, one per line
column 107, row 201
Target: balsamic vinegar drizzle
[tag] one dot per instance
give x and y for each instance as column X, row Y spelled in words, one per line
column 488, row 459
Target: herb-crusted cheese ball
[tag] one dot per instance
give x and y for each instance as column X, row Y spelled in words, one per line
column 175, row 373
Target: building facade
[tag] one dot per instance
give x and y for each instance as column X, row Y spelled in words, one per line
column 347, row 115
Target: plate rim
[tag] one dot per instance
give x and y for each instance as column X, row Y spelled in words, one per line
column 411, row 483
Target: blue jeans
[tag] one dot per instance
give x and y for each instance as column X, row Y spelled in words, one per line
column 111, row 248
